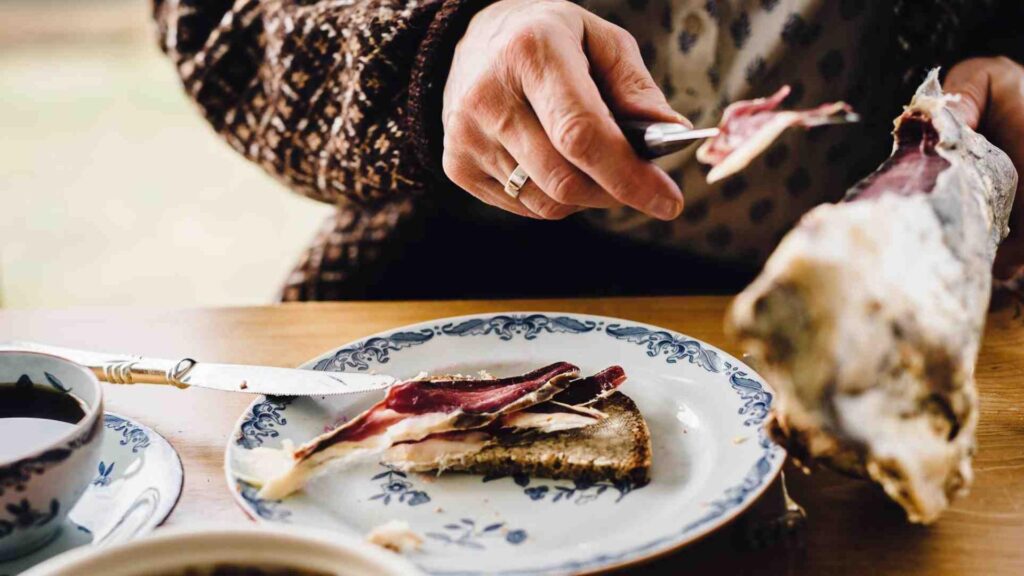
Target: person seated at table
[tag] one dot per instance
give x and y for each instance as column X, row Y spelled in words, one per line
column 410, row 116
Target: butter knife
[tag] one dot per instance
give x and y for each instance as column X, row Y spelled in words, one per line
column 186, row 372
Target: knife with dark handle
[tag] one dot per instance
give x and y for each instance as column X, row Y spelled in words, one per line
column 186, row 372
column 656, row 139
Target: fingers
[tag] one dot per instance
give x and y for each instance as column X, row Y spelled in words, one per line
column 555, row 79
column 992, row 101
column 988, row 88
column 533, row 195
column 466, row 172
column 554, row 175
column 543, row 206
column 483, row 174
column 970, row 79
column 620, row 72
column 524, row 74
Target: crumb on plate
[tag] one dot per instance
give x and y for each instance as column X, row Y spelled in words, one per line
column 395, row 535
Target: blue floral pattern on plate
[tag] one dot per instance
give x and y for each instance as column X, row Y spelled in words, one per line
column 395, row 485
column 577, row 491
column 467, row 534
column 508, row 326
column 673, row 347
column 372, row 350
column 259, row 422
column 131, row 435
column 103, row 477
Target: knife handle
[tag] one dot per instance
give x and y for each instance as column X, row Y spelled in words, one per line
column 116, row 368
column 636, row 134
column 653, row 140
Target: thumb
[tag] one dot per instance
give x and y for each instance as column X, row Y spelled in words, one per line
column 620, row 72
column 970, row 79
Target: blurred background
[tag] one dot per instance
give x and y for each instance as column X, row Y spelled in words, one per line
column 113, row 190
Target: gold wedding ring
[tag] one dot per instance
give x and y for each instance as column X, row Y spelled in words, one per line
column 516, row 181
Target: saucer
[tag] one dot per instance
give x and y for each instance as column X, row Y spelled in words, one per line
column 138, row 481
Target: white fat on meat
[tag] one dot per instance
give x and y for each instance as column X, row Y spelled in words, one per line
column 283, row 476
column 434, row 453
column 579, row 417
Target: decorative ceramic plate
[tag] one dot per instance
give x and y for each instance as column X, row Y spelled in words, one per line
column 704, row 408
column 138, row 481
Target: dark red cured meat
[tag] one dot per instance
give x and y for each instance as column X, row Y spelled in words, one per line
column 739, row 121
column 745, row 122
column 591, row 388
column 914, row 166
column 444, row 395
column 471, row 396
column 580, row 392
column 373, row 421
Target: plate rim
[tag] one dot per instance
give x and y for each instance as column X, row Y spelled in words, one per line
column 179, row 466
column 677, row 542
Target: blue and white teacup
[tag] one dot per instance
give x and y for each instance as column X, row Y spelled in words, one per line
column 43, row 476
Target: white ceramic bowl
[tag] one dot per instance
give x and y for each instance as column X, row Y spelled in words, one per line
column 43, row 480
column 170, row 551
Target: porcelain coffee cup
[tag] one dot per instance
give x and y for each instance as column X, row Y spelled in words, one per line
column 42, row 477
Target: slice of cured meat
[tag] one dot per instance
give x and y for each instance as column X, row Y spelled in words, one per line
column 749, row 127
column 592, row 388
column 867, row 319
column 415, row 409
column 460, row 403
column 568, row 410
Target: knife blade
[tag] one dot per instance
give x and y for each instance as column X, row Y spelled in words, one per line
column 655, row 139
column 652, row 140
column 128, row 369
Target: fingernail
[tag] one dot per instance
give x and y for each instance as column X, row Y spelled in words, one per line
column 665, row 208
column 684, row 120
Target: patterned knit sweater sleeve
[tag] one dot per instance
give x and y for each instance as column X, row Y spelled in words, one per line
column 330, row 96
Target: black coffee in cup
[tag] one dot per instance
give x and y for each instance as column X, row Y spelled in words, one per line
column 33, row 414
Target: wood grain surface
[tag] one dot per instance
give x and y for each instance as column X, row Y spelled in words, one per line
column 852, row 528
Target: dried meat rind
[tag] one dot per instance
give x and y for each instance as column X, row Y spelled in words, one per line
column 867, row 319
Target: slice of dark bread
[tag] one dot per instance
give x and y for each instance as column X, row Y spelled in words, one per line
column 616, row 449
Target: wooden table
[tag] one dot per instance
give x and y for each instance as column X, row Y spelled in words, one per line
column 852, row 528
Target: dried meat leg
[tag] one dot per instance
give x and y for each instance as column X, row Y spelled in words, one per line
column 749, row 127
column 868, row 317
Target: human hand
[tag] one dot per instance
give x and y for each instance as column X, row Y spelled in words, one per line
column 536, row 82
column 992, row 102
